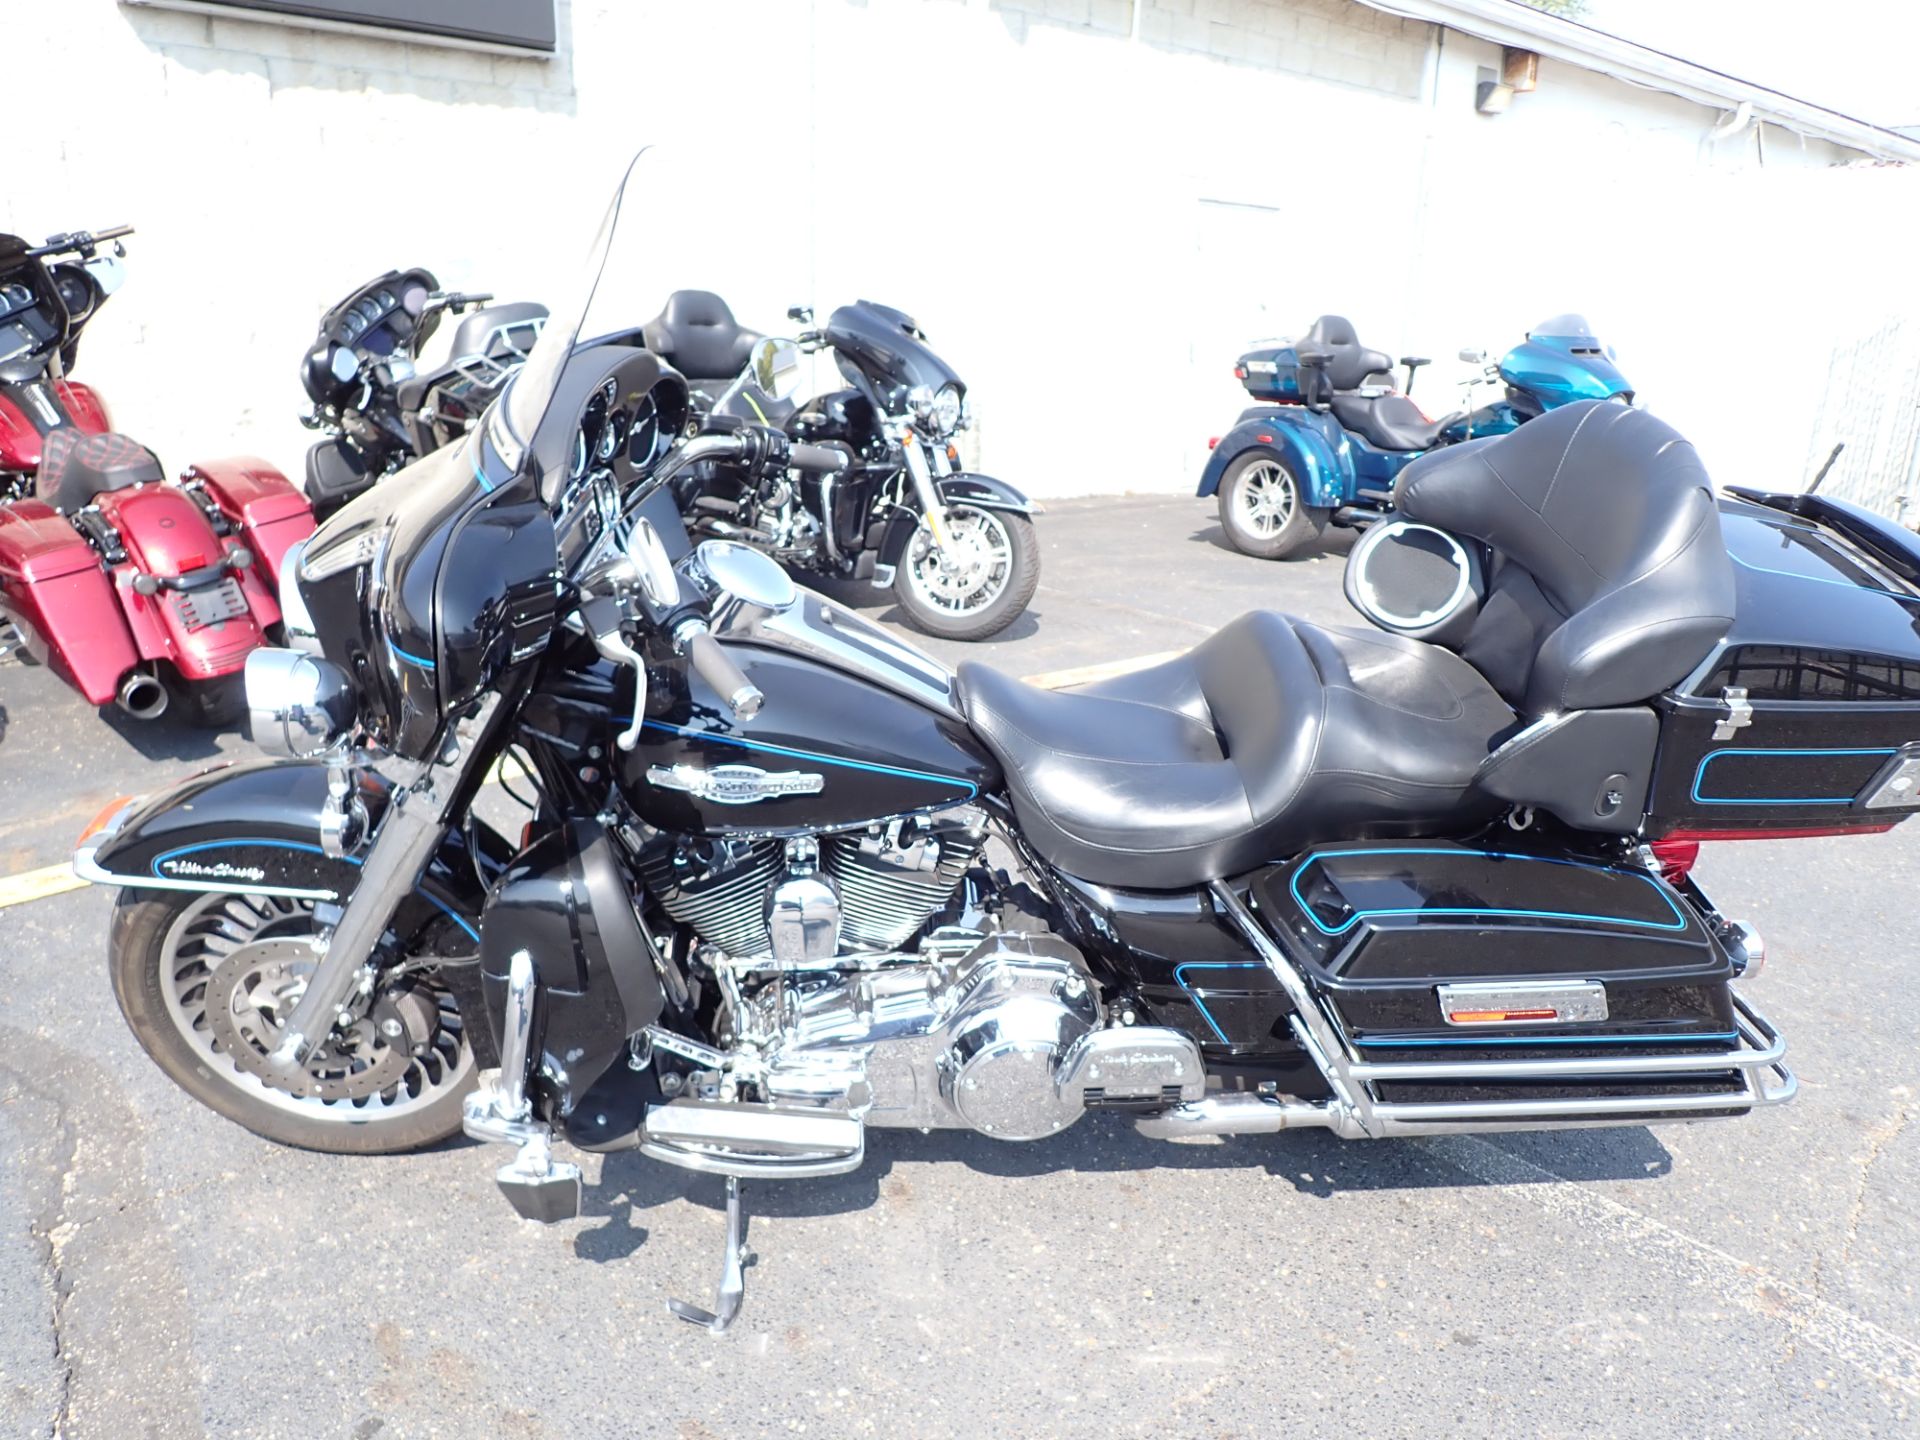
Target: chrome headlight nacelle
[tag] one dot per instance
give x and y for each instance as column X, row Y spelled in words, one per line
column 301, row 705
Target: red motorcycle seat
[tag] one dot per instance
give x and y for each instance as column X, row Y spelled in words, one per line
column 75, row 467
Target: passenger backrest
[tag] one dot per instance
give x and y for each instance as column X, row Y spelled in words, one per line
column 1610, row 581
column 1352, row 362
column 697, row 334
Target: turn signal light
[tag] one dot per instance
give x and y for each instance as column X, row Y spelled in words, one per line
column 100, row 821
column 1212, row 441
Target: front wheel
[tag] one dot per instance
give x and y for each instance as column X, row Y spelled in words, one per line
column 207, row 982
column 979, row 584
column 1263, row 509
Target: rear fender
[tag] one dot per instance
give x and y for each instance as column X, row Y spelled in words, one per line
column 1310, row 444
column 254, row 829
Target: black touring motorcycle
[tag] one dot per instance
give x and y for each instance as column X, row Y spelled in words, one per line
column 1426, row 877
column 377, row 410
column 957, row 549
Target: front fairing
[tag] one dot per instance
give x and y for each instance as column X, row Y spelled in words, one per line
column 882, row 347
column 1560, row 369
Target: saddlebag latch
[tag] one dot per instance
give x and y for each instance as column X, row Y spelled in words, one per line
column 1736, row 713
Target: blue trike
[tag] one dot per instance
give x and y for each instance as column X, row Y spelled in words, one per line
column 1335, row 430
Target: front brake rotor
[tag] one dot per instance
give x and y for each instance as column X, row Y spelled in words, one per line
column 248, row 1002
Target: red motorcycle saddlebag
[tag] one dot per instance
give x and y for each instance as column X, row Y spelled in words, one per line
column 53, row 588
column 268, row 510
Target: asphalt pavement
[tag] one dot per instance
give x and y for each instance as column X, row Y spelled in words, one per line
column 163, row 1273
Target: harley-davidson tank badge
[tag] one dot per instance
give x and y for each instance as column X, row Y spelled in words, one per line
column 735, row 784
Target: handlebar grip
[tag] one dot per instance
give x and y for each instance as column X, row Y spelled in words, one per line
column 822, row 458
column 716, row 667
column 113, row 232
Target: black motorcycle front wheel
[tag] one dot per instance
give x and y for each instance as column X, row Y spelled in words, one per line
column 977, row 587
column 1263, row 509
column 206, row 982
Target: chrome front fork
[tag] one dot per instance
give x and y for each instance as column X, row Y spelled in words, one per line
column 920, row 472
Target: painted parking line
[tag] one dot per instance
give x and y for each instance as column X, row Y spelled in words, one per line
column 38, row 884
column 51, row 880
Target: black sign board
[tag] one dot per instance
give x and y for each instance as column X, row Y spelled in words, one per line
column 516, row 24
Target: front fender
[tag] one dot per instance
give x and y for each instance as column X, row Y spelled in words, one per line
column 1312, row 445
column 985, row 492
column 253, row 828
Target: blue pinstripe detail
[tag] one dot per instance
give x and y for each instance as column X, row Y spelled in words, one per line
column 410, row 659
column 1824, row 580
column 765, row 748
column 1701, row 774
column 354, row 860
column 1180, row 976
column 1293, row 884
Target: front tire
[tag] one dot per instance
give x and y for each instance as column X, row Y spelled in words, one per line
column 995, row 570
column 172, row 957
column 1263, row 508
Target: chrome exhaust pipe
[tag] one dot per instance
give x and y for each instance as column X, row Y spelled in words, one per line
column 142, row 695
column 1241, row 1114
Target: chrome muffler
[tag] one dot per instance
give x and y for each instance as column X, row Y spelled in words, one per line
column 142, row 695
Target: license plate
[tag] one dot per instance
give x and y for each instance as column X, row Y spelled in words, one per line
column 198, row 609
column 1262, row 367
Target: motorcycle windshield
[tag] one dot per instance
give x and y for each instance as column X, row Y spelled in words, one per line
column 671, row 223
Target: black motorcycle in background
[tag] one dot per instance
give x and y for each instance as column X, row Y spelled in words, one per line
column 958, row 550
column 378, row 410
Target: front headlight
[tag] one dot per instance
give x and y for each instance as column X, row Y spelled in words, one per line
column 946, row 410
column 301, row 705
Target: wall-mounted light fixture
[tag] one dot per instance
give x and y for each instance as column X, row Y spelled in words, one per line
column 1519, row 72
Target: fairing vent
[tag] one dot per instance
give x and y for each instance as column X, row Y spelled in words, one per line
column 883, row 903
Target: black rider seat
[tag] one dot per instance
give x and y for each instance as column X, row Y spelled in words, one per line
column 75, row 467
column 1269, row 736
column 1390, row 421
column 697, row 335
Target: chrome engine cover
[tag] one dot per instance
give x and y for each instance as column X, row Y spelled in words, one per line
column 1004, row 1038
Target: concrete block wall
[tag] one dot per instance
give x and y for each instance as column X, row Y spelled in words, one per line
column 1109, row 209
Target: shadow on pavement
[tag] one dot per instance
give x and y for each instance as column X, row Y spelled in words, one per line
column 171, row 737
column 1315, row 1163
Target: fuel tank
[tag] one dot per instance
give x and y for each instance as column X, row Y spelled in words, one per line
column 857, row 726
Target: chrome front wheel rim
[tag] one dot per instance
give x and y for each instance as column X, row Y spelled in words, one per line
column 1265, row 498
column 231, row 969
column 971, row 573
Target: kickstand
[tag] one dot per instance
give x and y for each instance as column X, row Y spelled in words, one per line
column 733, row 1280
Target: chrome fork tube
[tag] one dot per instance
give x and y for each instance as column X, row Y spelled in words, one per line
column 411, row 831
column 517, row 1037
column 921, row 473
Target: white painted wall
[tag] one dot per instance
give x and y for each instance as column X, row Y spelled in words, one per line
column 1090, row 216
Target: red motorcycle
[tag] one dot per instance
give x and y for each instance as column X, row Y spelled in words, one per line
column 134, row 588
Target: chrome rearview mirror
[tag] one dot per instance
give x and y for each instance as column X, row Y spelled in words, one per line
column 650, row 561
column 746, row 575
column 776, row 367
